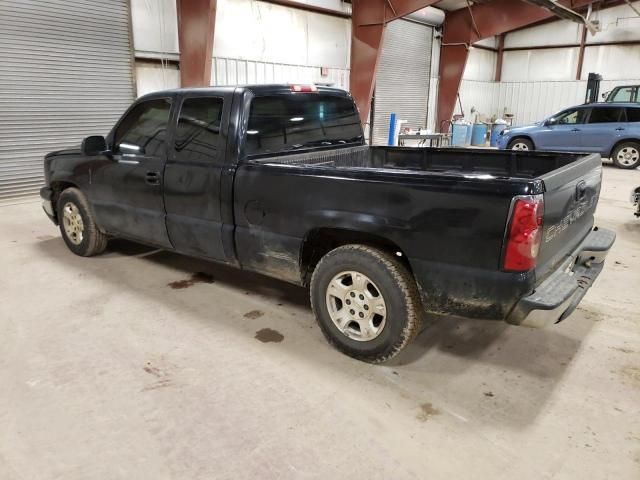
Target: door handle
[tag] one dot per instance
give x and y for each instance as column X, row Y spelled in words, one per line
column 575, row 129
column 152, row 178
column 619, row 129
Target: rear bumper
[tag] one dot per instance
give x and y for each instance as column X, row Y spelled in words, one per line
column 46, row 194
column 558, row 296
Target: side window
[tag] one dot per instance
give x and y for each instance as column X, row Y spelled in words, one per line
column 198, row 131
column 144, row 130
column 623, row 95
column 571, row 117
column 605, row 115
column 633, row 114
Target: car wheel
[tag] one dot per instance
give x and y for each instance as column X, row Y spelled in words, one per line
column 366, row 302
column 627, row 155
column 77, row 224
column 520, row 144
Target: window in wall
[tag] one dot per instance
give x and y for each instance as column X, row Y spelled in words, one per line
column 143, row 131
column 571, row 117
column 633, row 114
column 198, row 131
column 605, row 115
column 301, row 121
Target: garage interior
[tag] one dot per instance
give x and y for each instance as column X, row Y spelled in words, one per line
column 143, row 363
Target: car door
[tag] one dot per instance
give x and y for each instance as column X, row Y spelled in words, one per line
column 562, row 131
column 604, row 127
column 193, row 175
column 126, row 190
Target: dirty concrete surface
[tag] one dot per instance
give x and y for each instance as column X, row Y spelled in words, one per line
column 142, row 364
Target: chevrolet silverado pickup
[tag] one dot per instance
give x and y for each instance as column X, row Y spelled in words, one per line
column 277, row 179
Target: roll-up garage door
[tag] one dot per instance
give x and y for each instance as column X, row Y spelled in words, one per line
column 402, row 80
column 65, row 73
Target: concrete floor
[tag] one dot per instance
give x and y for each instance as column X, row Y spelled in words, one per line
column 130, row 366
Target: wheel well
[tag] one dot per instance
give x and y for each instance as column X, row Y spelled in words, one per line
column 522, row 137
column 320, row 241
column 58, row 188
column 619, row 142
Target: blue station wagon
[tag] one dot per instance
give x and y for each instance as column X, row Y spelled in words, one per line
column 612, row 130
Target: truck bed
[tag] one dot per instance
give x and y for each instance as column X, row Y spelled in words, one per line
column 497, row 163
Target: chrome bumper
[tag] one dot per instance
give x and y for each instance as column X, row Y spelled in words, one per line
column 559, row 295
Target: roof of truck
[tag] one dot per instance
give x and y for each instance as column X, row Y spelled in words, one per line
column 263, row 89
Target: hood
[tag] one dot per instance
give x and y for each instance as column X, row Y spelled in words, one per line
column 524, row 128
column 66, row 151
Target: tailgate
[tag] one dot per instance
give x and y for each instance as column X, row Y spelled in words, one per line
column 570, row 199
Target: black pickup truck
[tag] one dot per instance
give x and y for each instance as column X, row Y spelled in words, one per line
column 277, row 179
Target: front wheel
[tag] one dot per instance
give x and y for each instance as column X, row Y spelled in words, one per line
column 366, row 302
column 520, row 144
column 627, row 155
column 77, row 225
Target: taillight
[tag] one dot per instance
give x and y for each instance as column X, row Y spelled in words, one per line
column 525, row 234
column 304, row 88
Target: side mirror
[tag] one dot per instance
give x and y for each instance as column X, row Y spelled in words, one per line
column 550, row 121
column 93, row 145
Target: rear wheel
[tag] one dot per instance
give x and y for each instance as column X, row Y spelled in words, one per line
column 627, row 155
column 520, row 144
column 77, row 225
column 366, row 302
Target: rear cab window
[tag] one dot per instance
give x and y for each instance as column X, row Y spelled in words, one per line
column 299, row 122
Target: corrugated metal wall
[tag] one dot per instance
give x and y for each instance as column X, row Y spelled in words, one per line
column 402, row 80
column 65, row 73
column 231, row 71
column 528, row 101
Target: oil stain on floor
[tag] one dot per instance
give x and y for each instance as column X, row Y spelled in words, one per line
column 427, row 411
column 253, row 314
column 267, row 335
column 198, row 277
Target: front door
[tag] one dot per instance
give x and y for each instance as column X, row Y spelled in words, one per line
column 563, row 132
column 126, row 190
column 193, row 175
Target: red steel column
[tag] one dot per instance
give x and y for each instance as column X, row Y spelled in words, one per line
column 196, row 23
column 368, row 20
column 461, row 30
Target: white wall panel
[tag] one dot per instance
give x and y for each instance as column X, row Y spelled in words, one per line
column 259, row 31
column 481, row 65
column 554, row 33
column 151, row 77
column 613, row 62
column 619, row 23
column 155, row 27
column 541, row 65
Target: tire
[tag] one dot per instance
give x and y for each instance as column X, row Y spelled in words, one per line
column 626, row 155
column 78, row 226
column 521, row 144
column 383, row 331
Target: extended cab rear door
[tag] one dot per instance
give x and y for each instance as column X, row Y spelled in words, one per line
column 193, row 173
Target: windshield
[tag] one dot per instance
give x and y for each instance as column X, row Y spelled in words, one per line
column 282, row 123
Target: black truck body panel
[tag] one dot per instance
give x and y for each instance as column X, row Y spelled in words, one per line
column 445, row 210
